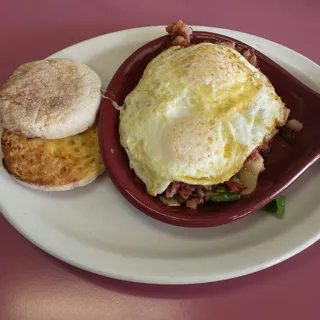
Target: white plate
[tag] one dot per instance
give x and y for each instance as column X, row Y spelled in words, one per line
column 95, row 229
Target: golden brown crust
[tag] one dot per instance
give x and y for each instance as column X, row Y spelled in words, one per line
column 53, row 165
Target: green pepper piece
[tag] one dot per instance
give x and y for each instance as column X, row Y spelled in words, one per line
column 224, row 197
column 276, row 206
column 287, row 134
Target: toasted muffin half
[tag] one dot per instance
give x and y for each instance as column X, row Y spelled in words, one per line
column 53, row 165
column 50, row 99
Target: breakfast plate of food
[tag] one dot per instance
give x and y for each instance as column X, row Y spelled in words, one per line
column 164, row 155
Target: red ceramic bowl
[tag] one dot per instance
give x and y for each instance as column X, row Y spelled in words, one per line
column 285, row 163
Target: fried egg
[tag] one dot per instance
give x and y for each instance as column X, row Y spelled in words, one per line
column 195, row 116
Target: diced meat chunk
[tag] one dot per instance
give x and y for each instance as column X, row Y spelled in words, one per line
column 172, row 189
column 250, row 56
column 234, row 185
column 180, row 33
column 186, row 190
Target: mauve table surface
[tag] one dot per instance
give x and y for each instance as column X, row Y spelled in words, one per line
column 34, row 285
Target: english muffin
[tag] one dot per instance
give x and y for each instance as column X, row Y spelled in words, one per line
column 50, row 99
column 52, row 165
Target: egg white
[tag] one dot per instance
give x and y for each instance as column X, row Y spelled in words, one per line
column 196, row 115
